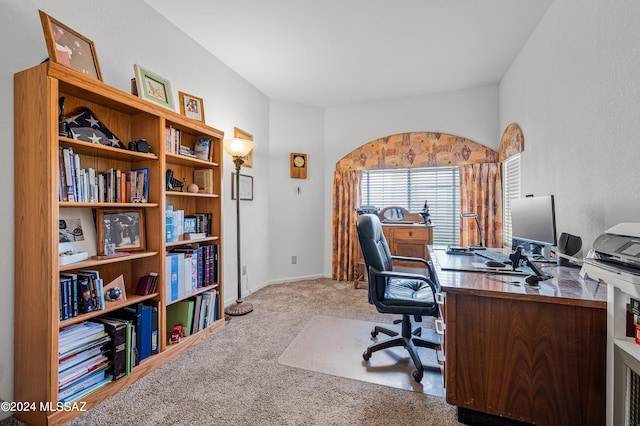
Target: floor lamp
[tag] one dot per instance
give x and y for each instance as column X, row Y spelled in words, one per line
column 238, row 149
column 479, row 246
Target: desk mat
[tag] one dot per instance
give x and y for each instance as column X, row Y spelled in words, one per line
column 335, row 346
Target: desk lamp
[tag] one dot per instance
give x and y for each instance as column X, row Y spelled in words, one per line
column 479, row 246
column 238, row 148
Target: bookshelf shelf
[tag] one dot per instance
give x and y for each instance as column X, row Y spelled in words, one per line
column 183, row 160
column 131, row 300
column 195, row 293
column 101, row 205
column 105, row 151
column 99, row 262
column 38, row 291
column 190, row 194
column 183, row 242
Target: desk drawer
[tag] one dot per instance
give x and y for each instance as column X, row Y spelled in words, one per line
column 418, row 233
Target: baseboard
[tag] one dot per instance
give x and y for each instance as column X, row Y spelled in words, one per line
column 232, row 300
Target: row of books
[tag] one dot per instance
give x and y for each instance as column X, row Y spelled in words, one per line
column 93, row 353
column 85, row 184
column 80, row 292
column 193, row 314
column 179, row 227
column 189, row 268
column 173, row 145
column 83, row 362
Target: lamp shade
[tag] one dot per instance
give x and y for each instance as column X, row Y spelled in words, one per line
column 238, row 147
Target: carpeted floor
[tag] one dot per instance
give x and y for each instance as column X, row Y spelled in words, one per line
column 233, row 377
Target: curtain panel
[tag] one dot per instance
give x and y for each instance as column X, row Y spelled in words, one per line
column 481, row 193
column 346, row 249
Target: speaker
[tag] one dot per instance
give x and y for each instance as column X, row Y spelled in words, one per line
column 569, row 244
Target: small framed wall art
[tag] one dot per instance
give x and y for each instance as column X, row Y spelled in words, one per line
column 153, row 88
column 191, row 106
column 246, row 187
column 298, row 165
column 69, row 48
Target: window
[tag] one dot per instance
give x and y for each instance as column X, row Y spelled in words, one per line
column 511, row 190
column 410, row 188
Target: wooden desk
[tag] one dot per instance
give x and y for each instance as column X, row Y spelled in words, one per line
column 534, row 355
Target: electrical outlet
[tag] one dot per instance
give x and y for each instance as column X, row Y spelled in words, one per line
column 244, row 269
column 294, row 260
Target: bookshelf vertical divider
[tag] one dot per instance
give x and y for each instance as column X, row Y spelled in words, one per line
column 37, row 212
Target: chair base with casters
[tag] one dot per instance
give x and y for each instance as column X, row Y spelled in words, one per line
column 395, row 292
column 408, row 339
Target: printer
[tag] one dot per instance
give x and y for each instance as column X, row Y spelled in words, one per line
column 615, row 256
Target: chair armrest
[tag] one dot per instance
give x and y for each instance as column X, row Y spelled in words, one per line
column 395, row 274
column 425, row 262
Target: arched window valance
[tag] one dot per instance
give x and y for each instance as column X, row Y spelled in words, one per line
column 512, row 142
column 416, row 149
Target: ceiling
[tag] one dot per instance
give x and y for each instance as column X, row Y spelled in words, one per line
column 333, row 52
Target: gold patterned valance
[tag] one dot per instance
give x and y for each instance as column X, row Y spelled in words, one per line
column 416, row 149
column 512, row 142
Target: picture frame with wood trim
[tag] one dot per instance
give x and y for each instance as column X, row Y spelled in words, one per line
column 69, row 48
column 120, row 230
column 191, row 106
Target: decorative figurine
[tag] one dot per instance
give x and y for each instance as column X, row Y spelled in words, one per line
column 63, row 126
column 173, row 183
column 425, row 214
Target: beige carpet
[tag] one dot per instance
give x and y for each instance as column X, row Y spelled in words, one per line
column 334, row 346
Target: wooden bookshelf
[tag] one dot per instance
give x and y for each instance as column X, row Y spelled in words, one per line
column 37, row 209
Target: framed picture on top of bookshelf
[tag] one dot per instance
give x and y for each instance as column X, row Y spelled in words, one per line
column 191, row 106
column 153, row 88
column 120, row 230
column 69, row 48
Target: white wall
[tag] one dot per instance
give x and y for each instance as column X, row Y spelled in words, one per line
column 127, row 32
column 296, row 208
column 470, row 113
column 575, row 92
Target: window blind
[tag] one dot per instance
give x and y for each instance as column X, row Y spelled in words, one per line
column 511, row 190
column 410, row 188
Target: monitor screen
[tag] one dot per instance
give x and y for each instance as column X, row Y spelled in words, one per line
column 533, row 219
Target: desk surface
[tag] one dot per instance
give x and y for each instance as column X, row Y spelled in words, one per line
column 566, row 286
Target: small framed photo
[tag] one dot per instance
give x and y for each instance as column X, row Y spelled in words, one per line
column 191, row 106
column 246, row 187
column 120, row 230
column 153, row 88
column 69, row 48
column 76, row 231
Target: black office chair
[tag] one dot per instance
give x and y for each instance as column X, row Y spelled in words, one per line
column 395, row 292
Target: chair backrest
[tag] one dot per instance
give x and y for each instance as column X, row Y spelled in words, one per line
column 375, row 250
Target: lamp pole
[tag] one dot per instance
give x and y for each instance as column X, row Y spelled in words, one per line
column 238, row 148
column 240, row 307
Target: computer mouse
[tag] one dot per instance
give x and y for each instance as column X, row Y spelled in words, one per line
column 494, row 264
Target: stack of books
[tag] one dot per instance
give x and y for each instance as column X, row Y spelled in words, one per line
column 82, row 360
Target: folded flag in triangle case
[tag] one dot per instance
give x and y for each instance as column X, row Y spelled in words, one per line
column 85, row 126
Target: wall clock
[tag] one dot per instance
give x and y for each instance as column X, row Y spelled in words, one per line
column 298, row 165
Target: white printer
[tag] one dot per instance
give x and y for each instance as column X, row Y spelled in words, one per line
column 615, row 255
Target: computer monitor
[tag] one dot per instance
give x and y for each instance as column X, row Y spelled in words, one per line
column 533, row 221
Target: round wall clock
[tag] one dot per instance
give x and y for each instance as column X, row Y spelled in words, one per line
column 298, row 165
